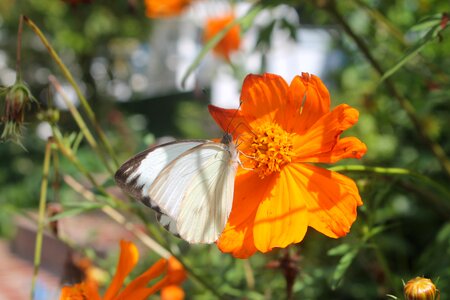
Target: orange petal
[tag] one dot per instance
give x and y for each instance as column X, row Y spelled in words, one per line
column 140, row 283
column 331, row 199
column 175, row 271
column 348, row 147
column 232, row 39
column 230, row 120
column 78, row 292
column 166, row 8
column 237, row 237
column 309, row 100
column 129, row 256
column 172, row 292
column 282, row 217
column 264, row 98
column 324, row 134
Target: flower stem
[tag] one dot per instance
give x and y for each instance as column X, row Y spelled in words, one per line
column 19, row 50
column 68, row 153
column 394, row 171
column 87, row 108
column 435, row 148
column 41, row 215
column 80, row 122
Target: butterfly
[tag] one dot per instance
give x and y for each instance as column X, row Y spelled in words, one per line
column 190, row 183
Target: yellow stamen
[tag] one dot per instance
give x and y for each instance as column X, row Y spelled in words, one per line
column 270, row 149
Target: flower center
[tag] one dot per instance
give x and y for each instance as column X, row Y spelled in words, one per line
column 270, row 149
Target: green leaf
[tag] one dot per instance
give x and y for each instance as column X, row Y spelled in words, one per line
column 427, row 22
column 78, row 209
column 343, row 265
column 242, row 21
column 339, row 250
column 412, row 52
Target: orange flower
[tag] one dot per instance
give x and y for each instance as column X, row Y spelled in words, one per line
column 230, row 42
column 136, row 289
column 281, row 130
column 166, row 8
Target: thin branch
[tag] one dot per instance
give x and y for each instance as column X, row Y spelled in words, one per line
column 435, row 148
column 85, row 104
column 41, row 215
column 19, row 50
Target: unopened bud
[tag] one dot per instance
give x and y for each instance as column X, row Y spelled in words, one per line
column 420, row 288
column 17, row 98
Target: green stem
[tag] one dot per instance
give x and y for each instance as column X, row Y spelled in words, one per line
column 394, row 171
column 435, row 148
column 41, row 216
column 19, row 50
column 69, row 77
column 80, row 122
column 68, row 153
column 390, row 279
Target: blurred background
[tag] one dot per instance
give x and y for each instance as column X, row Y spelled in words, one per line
column 130, row 69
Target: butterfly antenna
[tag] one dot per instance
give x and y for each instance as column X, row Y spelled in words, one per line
column 232, row 118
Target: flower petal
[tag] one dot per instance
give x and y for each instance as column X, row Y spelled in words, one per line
column 237, row 237
column 232, row 39
column 282, row 217
column 324, row 134
column 79, row 291
column 348, row 147
column 309, row 100
column 230, row 120
column 264, row 98
column 175, row 271
column 172, row 292
column 129, row 256
column 139, row 284
column 331, row 199
column 163, row 9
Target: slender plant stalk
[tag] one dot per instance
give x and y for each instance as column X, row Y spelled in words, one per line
column 90, row 113
column 19, row 51
column 435, row 148
column 394, row 171
column 74, row 160
column 41, row 215
column 80, row 122
column 118, row 217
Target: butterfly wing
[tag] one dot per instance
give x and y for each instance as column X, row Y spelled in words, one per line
column 196, row 189
column 137, row 174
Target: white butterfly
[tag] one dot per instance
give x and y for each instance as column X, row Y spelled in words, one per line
column 190, row 182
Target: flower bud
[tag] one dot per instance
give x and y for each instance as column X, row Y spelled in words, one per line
column 420, row 288
column 17, row 98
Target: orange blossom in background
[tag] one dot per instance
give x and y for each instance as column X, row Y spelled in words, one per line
column 230, row 42
column 137, row 289
column 165, row 8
